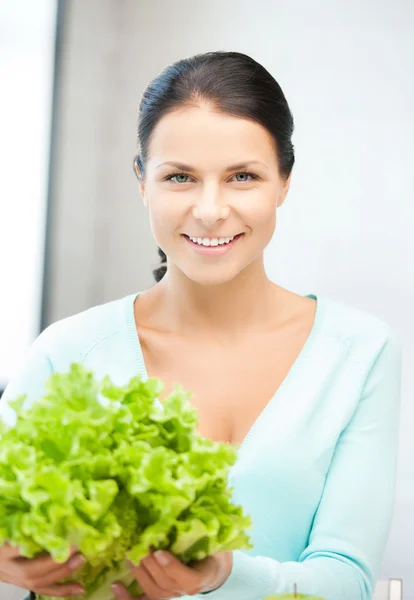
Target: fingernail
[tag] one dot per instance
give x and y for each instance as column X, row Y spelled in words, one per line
column 77, row 591
column 77, row 561
column 162, row 558
column 116, row 588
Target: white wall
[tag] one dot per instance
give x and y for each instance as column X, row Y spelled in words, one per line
column 26, row 72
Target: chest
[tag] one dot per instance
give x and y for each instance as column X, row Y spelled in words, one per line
column 230, row 385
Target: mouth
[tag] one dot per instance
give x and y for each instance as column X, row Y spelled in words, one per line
column 212, row 246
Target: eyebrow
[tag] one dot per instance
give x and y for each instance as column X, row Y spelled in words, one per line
column 242, row 165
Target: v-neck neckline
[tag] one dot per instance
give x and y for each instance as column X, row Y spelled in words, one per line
column 299, row 362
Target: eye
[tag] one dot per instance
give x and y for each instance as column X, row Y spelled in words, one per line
column 172, row 175
column 252, row 176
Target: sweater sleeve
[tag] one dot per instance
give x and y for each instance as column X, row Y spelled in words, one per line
column 30, row 380
column 352, row 522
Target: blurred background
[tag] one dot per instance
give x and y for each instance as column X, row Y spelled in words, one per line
column 74, row 232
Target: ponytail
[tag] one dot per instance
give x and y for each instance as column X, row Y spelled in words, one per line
column 160, row 271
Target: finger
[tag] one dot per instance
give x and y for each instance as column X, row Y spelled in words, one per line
column 214, row 570
column 149, row 585
column 164, row 579
column 41, row 566
column 186, row 578
column 4, row 578
column 9, row 551
column 120, row 591
column 64, row 571
column 60, row 591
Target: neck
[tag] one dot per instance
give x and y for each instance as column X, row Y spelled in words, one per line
column 246, row 303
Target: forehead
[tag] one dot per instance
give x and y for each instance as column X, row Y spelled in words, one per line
column 202, row 133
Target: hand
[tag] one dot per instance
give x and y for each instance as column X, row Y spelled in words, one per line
column 161, row 575
column 39, row 574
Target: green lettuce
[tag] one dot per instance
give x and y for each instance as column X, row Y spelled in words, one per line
column 112, row 471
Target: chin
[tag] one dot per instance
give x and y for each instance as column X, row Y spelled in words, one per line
column 212, row 276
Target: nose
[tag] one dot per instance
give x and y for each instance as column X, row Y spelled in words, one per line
column 210, row 208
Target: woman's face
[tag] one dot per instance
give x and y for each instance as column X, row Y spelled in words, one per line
column 206, row 198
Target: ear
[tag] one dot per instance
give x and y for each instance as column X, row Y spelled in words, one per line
column 141, row 182
column 285, row 190
column 143, row 194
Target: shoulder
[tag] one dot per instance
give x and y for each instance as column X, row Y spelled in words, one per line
column 363, row 332
column 71, row 339
column 97, row 337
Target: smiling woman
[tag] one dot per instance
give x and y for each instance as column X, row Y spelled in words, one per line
column 307, row 389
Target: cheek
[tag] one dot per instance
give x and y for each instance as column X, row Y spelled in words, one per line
column 165, row 217
column 261, row 218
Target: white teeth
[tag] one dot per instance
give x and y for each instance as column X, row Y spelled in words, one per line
column 211, row 241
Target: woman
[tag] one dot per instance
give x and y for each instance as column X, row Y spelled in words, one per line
column 309, row 387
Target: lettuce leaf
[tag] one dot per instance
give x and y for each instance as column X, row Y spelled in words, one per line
column 112, row 471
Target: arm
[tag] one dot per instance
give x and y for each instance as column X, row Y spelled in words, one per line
column 30, row 380
column 352, row 523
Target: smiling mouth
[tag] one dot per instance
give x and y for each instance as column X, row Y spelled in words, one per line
column 213, row 247
column 212, row 242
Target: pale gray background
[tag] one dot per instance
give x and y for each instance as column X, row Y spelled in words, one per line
column 345, row 230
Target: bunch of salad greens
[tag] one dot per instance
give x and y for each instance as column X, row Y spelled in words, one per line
column 116, row 473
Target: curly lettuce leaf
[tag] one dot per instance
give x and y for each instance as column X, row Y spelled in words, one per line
column 110, row 470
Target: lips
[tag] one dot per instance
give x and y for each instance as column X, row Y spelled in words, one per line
column 212, row 241
column 217, row 250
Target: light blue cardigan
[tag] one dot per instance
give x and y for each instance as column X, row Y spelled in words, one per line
column 316, row 471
